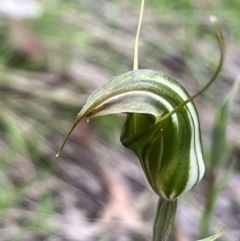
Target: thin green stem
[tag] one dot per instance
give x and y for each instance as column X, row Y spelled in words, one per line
column 164, row 219
column 216, row 73
column 135, row 63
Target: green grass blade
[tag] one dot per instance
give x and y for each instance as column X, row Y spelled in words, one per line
column 213, row 237
column 220, row 125
column 218, row 153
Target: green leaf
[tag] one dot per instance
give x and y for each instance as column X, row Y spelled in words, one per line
column 213, row 237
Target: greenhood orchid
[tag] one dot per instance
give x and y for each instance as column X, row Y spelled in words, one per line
column 162, row 128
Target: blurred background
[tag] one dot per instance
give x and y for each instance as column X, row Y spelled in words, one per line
column 53, row 54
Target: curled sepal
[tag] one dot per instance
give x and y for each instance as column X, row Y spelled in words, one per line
column 164, row 219
column 169, row 149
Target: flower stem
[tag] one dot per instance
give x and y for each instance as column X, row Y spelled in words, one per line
column 164, row 219
column 135, row 63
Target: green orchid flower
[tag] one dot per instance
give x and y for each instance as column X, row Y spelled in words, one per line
column 162, row 128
